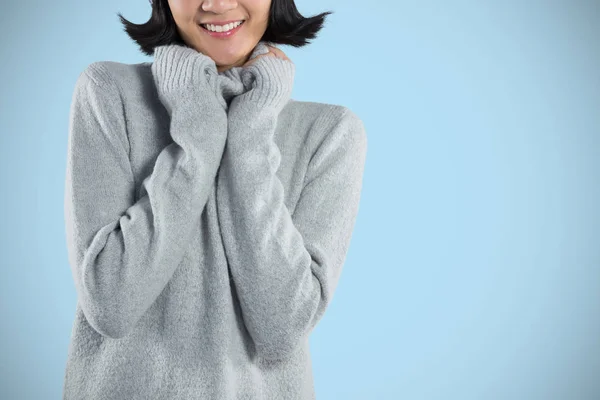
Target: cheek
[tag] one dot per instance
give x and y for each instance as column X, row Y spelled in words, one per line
column 184, row 9
column 258, row 8
column 177, row 6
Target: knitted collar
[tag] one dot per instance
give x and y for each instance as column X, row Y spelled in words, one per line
column 230, row 81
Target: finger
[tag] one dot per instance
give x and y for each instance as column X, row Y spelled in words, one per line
column 278, row 52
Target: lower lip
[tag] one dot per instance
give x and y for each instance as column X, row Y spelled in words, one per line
column 223, row 35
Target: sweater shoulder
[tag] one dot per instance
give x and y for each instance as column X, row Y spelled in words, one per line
column 323, row 118
column 100, row 90
column 314, row 111
column 118, row 76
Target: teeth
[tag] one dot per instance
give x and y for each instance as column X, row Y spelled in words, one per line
column 222, row 28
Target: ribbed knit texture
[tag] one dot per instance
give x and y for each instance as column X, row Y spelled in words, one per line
column 208, row 217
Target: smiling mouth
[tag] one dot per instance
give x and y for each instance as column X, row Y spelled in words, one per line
column 205, row 27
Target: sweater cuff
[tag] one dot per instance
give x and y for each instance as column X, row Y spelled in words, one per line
column 179, row 67
column 271, row 79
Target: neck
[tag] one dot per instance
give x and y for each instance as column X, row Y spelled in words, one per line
column 241, row 62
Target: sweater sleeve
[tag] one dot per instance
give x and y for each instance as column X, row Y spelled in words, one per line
column 286, row 267
column 123, row 252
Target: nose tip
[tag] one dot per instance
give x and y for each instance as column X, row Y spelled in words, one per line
column 218, row 4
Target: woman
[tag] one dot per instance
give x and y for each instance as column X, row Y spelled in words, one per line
column 208, row 214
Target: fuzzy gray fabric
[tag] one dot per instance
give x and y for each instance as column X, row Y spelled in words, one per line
column 208, row 216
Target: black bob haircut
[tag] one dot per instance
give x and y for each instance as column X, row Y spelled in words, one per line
column 285, row 26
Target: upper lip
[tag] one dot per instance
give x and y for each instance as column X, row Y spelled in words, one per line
column 221, row 22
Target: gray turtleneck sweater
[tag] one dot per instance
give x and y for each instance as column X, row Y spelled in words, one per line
column 208, row 216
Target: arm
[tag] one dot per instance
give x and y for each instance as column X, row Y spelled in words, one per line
column 123, row 252
column 286, row 267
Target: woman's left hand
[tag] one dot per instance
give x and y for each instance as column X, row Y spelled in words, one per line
column 273, row 52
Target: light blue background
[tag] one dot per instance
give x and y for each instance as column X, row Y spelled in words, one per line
column 474, row 269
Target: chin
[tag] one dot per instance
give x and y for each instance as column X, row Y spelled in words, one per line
column 227, row 62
